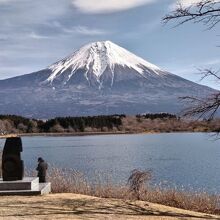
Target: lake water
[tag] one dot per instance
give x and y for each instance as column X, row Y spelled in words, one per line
column 180, row 159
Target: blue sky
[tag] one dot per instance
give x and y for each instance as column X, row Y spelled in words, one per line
column 35, row 34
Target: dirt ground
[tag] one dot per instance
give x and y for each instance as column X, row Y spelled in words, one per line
column 72, row 206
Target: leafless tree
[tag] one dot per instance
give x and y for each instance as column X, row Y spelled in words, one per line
column 206, row 12
column 137, row 180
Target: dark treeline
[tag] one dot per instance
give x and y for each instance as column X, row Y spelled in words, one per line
column 19, row 124
column 80, row 123
column 158, row 116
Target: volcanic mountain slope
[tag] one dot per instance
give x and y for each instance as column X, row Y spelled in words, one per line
column 99, row 78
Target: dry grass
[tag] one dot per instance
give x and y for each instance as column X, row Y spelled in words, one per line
column 67, row 180
column 138, row 187
column 195, row 201
column 72, row 181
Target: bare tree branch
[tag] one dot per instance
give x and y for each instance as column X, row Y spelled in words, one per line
column 209, row 73
column 206, row 12
column 203, row 108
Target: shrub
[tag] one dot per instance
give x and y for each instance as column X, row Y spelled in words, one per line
column 137, row 181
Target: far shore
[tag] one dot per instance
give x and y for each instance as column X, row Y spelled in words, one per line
column 64, row 134
column 12, row 125
column 68, row 134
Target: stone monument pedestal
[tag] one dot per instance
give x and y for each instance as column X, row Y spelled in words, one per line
column 28, row 186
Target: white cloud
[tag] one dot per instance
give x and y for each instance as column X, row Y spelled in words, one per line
column 80, row 29
column 37, row 36
column 187, row 3
column 108, row 6
column 85, row 31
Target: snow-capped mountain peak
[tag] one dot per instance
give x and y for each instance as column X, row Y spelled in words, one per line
column 96, row 57
column 99, row 79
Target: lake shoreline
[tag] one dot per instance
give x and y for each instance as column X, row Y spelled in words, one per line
column 73, row 134
column 64, row 134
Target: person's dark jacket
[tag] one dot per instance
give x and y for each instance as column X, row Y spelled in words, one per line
column 42, row 168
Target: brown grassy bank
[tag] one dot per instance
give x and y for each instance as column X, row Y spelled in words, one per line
column 65, row 206
column 70, row 181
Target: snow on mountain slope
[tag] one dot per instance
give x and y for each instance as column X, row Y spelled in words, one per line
column 100, row 78
column 98, row 57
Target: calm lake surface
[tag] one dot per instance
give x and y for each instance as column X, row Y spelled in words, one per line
column 176, row 159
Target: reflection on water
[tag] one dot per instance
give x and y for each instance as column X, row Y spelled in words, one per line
column 188, row 159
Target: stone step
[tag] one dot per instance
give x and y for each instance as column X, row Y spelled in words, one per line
column 27, row 183
column 44, row 188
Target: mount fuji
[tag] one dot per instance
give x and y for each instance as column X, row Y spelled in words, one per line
column 99, row 78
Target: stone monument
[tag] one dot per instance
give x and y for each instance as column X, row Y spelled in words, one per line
column 12, row 165
column 13, row 181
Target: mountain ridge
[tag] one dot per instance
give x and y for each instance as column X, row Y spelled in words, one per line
column 99, row 78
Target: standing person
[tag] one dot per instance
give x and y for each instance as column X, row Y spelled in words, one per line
column 42, row 170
